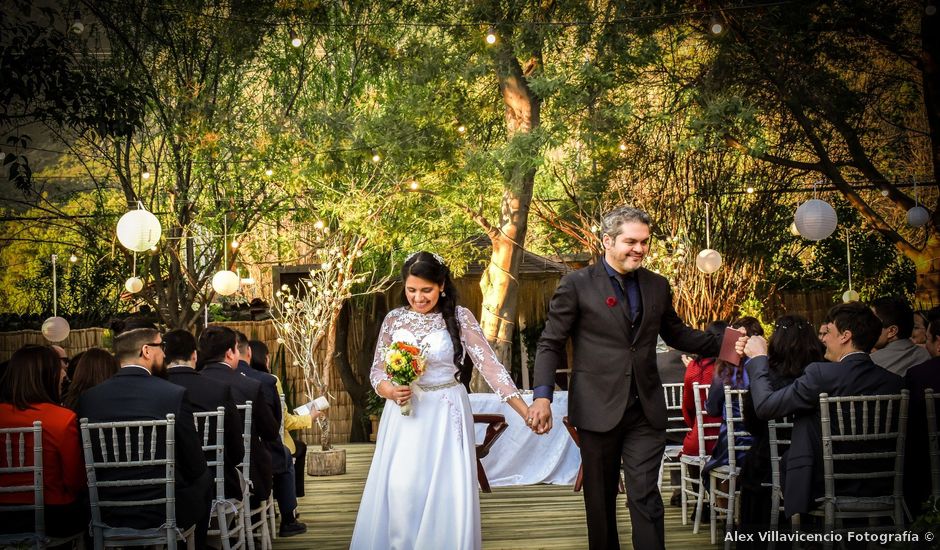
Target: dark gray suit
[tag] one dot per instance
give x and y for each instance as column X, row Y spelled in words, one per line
column 611, row 355
column 854, row 375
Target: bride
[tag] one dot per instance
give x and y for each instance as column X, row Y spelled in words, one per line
column 422, row 486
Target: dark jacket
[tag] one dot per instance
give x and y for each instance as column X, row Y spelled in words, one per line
column 917, row 456
column 280, row 456
column 803, row 470
column 263, row 427
column 609, row 353
column 207, row 395
column 133, row 394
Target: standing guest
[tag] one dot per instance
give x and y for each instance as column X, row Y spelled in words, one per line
column 613, row 311
column 793, row 345
column 916, row 457
column 894, row 350
column 207, row 395
column 94, row 367
column 852, row 332
column 135, row 394
column 919, row 333
column 261, row 361
column 29, row 392
column 218, row 351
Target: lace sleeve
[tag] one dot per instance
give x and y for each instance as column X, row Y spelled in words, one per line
column 377, row 375
column 484, row 358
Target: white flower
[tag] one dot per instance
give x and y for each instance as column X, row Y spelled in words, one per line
column 285, row 287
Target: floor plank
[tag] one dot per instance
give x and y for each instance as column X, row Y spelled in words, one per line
column 531, row 516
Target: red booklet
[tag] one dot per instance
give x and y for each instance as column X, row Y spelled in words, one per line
column 727, row 353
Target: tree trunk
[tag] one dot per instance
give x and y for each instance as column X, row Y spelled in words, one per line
column 355, row 374
column 500, row 281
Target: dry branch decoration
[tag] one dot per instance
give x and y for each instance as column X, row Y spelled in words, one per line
column 303, row 315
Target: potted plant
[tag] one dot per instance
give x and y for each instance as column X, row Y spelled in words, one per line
column 374, row 407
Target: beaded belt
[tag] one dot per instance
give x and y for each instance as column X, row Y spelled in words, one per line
column 439, row 386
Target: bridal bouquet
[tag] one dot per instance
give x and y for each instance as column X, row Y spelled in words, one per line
column 404, row 364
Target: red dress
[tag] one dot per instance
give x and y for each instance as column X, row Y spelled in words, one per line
column 62, row 464
column 701, row 371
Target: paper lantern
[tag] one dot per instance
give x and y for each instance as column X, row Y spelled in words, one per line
column 793, row 230
column 55, row 329
column 849, row 296
column 139, row 230
column 708, row 261
column 226, row 282
column 815, row 219
column 917, row 216
column 134, row 285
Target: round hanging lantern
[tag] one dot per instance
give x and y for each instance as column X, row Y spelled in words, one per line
column 815, row 219
column 793, row 230
column 708, row 261
column 917, row 216
column 849, row 296
column 55, row 329
column 226, row 282
column 134, row 285
column 139, row 230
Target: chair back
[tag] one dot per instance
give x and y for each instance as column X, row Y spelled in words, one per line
column 210, row 426
column 699, row 394
column 245, row 466
column 133, row 455
column 495, row 426
column 675, row 422
column 932, row 446
column 863, row 442
column 15, row 464
column 779, row 431
column 739, row 439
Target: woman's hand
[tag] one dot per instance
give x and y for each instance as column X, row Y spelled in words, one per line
column 398, row 394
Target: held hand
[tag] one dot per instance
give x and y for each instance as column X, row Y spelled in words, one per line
column 686, row 360
column 398, row 394
column 539, row 418
column 739, row 345
column 755, row 347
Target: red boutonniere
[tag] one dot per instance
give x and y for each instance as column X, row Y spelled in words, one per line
column 611, row 301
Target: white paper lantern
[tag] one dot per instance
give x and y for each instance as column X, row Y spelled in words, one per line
column 134, row 285
column 849, row 296
column 226, row 282
column 793, row 230
column 708, row 261
column 917, row 216
column 55, row 329
column 139, row 230
column 815, row 219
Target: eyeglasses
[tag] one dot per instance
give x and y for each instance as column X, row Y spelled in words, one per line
column 161, row 345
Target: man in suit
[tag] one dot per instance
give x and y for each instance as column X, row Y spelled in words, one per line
column 135, row 394
column 917, row 379
column 207, row 395
column 613, row 311
column 894, row 349
column 851, row 332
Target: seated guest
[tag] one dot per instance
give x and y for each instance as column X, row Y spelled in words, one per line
column 894, row 349
column 916, row 457
column 218, row 351
column 29, row 393
column 701, row 370
column 135, row 394
column 793, row 345
column 919, row 332
column 852, row 331
column 207, row 395
column 94, row 367
column 64, row 364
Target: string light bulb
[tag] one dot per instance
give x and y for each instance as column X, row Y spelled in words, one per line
column 318, row 225
column 144, row 172
column 294, row 39
column 235, row 244
column 73, row 258
column 77, row 26
column 491, row 36
column 376, row 157
column 268, row 172
column 414, row 186
column 623, row 146
column 750, row 190
column 461, row 129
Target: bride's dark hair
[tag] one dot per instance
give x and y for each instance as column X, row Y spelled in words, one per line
column 430, row 267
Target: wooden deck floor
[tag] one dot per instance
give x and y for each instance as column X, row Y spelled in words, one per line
column 553, row 514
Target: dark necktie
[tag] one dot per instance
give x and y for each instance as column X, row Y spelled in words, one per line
column 631, row 292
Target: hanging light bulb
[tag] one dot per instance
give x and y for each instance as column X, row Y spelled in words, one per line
column 134, row 285
column 77, row 26
column 144, row 173
column 708, row 261
column 225, row 282
column 849, row 295
column 294, row 39
column 73, row 258
column 491, row 36
column 55, row 328
column 918, row 215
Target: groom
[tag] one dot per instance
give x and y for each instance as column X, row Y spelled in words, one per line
column 613, row 311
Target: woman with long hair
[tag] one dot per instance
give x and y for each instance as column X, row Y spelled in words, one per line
column 94, row 367
column 422, row 486
column 30, row 392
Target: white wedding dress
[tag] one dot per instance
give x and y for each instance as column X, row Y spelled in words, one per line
column 422, row 490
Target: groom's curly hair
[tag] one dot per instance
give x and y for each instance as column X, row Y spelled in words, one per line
column 429, row 267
